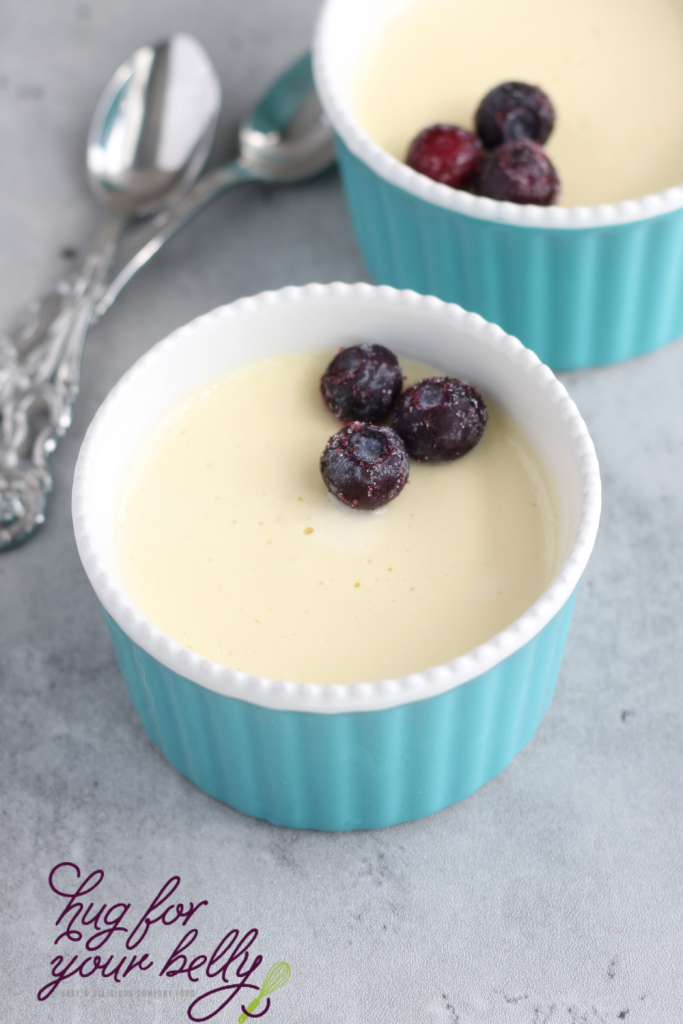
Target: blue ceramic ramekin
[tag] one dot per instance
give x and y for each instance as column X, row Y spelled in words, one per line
column 369, row 754
column 581, row 286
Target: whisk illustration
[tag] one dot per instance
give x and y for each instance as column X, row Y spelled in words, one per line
column 277, row 976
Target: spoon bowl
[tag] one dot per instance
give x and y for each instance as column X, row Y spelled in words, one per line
column 153, row 127
column 287, row 137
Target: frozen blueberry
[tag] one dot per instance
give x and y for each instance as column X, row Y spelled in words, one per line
column 365, row 466
column 519, row 172
column 440, row 419
column 362, row 383
column 514, row 110
column 447, row 154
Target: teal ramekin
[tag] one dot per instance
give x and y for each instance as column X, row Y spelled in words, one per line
column 581, row 286
column 370, row 754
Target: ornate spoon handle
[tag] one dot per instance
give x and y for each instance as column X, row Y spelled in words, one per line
column 38, row 392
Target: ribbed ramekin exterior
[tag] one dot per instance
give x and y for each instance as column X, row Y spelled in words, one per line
column 578, row 297
column 356, row 770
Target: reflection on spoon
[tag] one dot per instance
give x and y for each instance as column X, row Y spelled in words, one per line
column 153, row 127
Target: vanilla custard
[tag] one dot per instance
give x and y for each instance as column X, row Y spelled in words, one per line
column 612, row 68
column 229, row 541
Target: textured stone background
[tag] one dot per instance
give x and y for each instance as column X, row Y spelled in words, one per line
column 553, row 894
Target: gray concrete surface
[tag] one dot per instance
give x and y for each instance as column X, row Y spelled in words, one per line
column 552, row 895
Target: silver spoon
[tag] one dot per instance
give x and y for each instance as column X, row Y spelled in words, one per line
column 149, row 139
column 285, row 139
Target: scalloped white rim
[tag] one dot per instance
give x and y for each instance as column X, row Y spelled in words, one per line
column 283, row 695
column 338, row 110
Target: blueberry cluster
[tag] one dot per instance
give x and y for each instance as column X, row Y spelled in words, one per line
column 366, row 464
column 505, row 158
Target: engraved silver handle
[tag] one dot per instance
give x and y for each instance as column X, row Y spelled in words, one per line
column 38, row 386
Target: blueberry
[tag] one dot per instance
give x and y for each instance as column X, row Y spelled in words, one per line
column 447, row 154
column 362, row 383
column 365, row 466
column 514, row 110
column 519, row 172
column 440, row 419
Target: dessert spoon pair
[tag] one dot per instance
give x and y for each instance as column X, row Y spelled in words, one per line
column 149, row 139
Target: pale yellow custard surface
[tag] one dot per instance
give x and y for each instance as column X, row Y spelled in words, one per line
column 229, row 541
column 613, row 69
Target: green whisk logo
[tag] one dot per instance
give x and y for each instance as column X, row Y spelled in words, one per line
column 278, row 975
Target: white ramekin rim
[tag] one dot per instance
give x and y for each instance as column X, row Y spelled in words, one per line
column 387, row 693
column 399, row 174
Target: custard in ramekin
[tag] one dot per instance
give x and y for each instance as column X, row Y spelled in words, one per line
column 582, row 285
column 357, row 754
